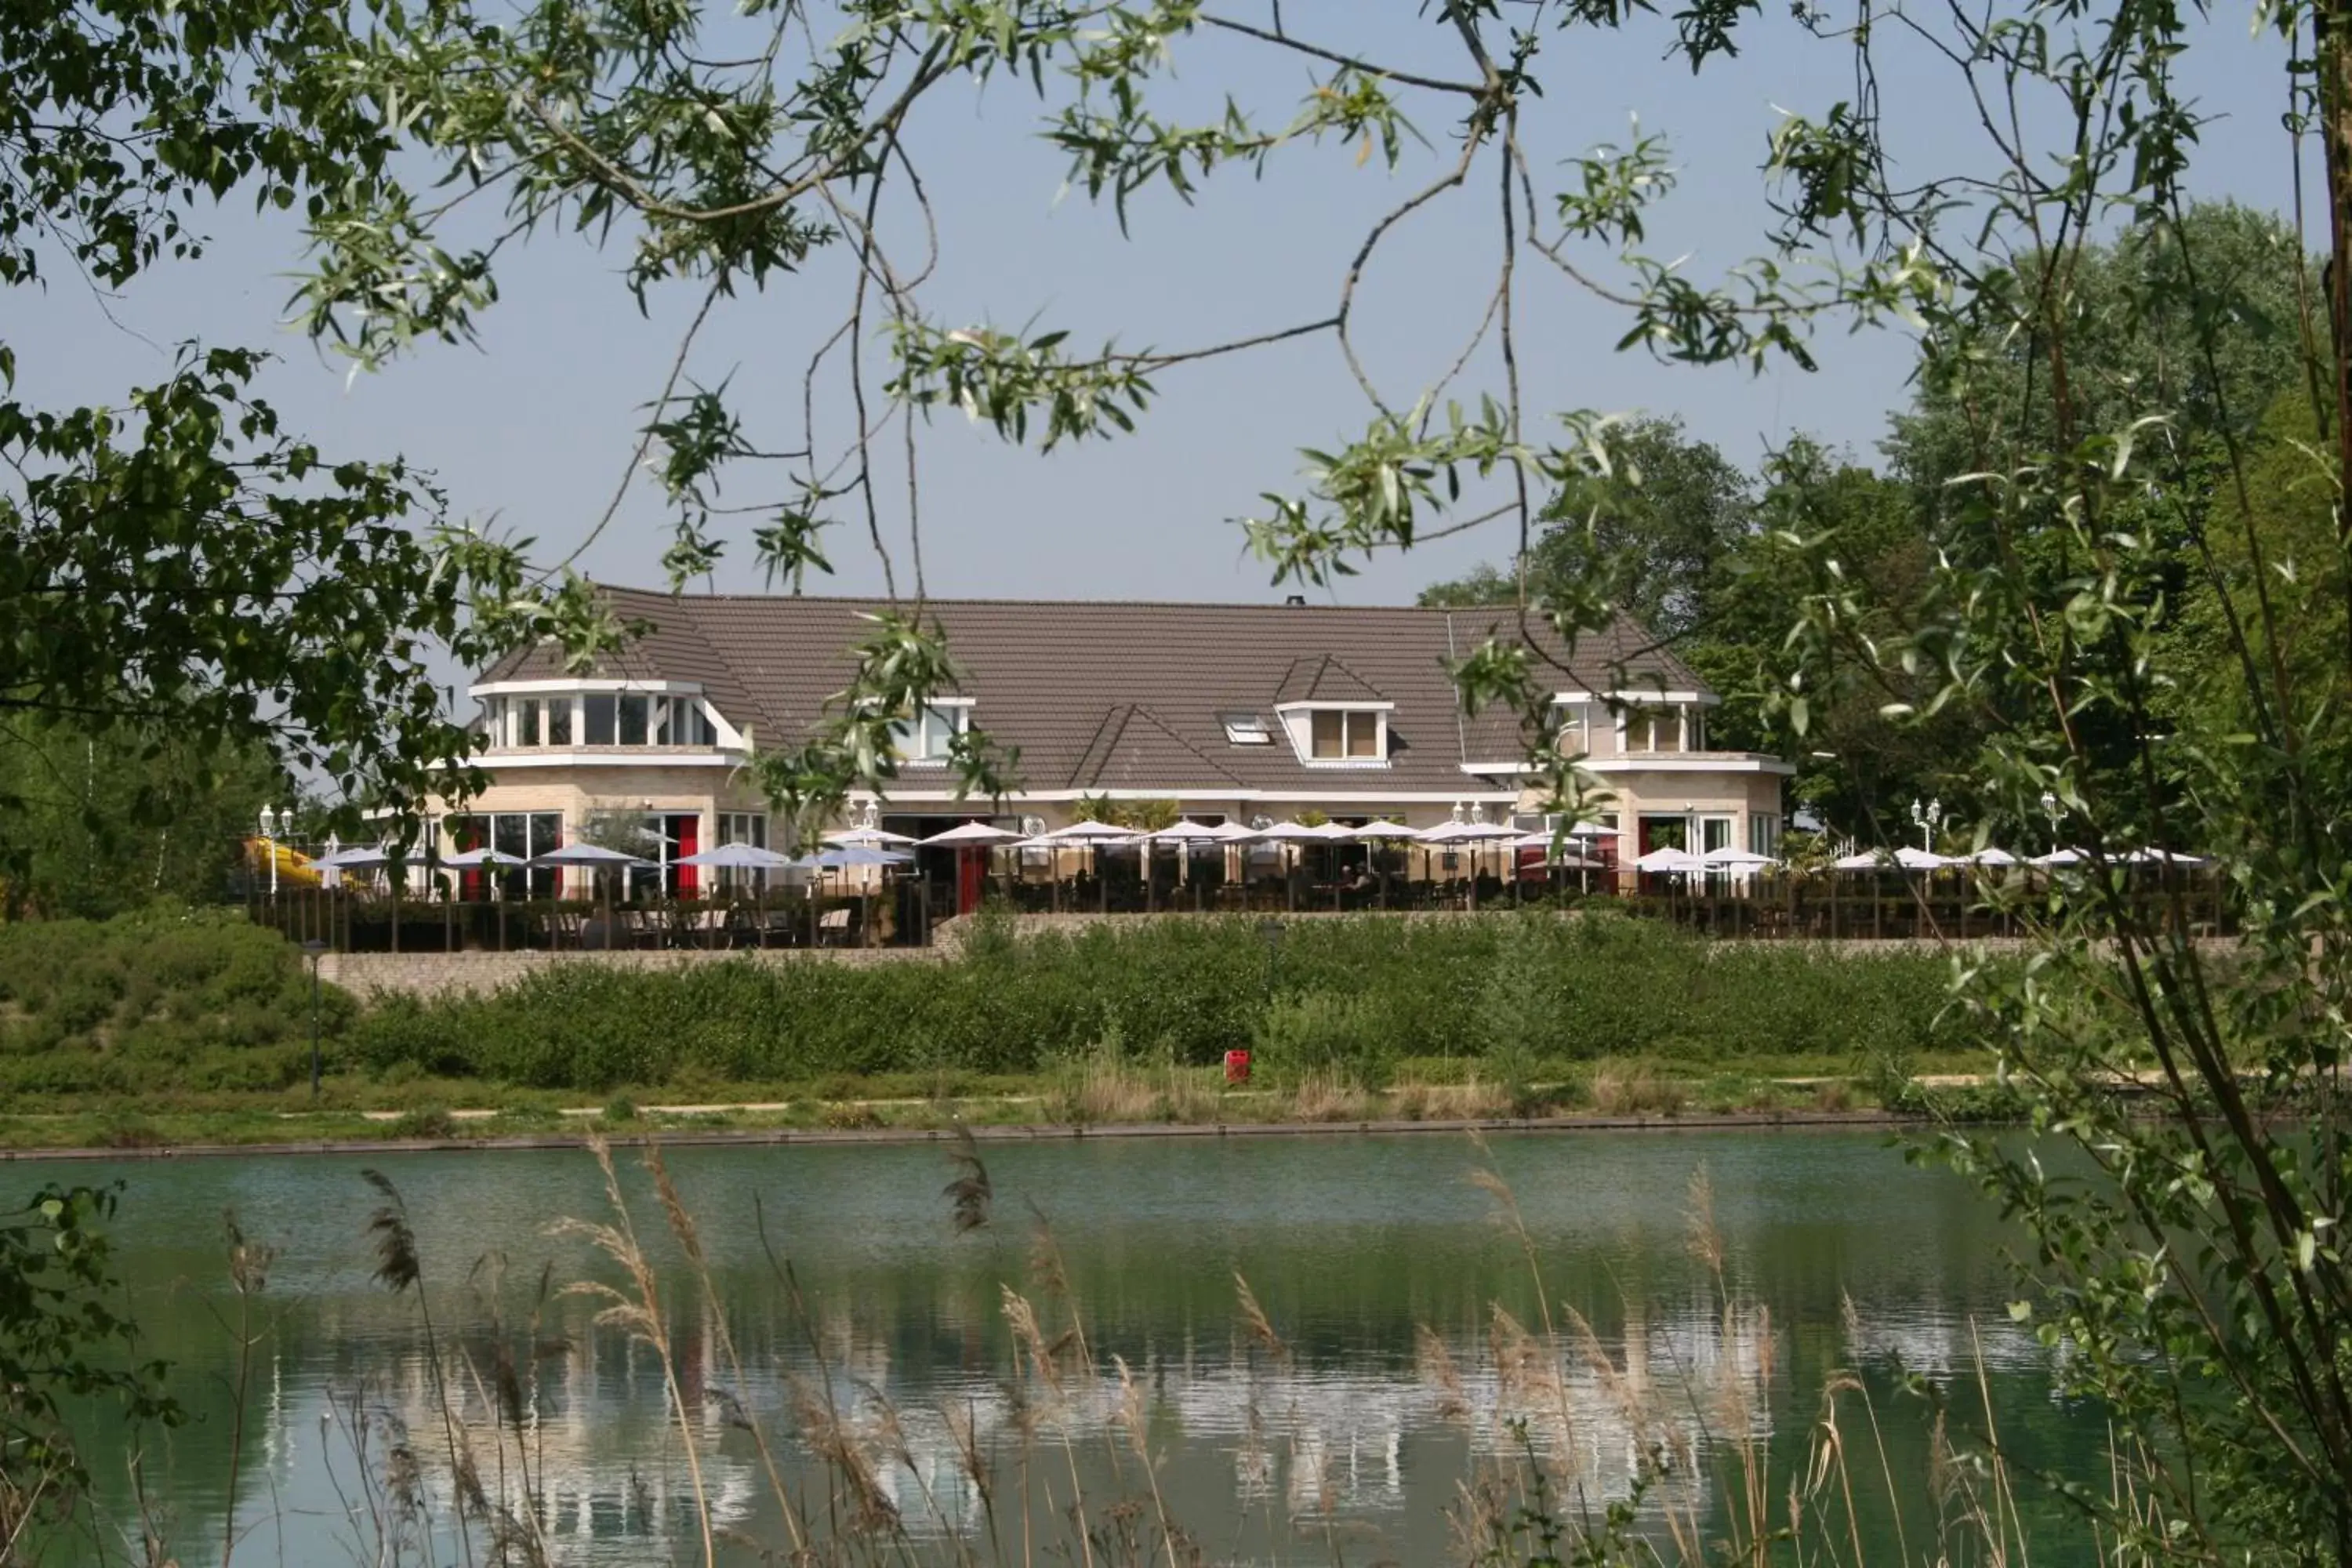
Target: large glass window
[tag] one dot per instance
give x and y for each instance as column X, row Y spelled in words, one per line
column 525, row 834
column 1339, row 734
column 1654, row 730
column 596, row 719
column 680, row 721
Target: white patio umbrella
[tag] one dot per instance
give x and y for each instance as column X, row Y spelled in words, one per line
column 1562, row 853
column 1468, row 833
column 1989, row 855
column 2160, row 857
column 1092, row 836
column 970, row 835
column 358, row 857
column 736, row 858
column 583, row 854
column 866, row 838
column 1185, row 831
column 1558, row 851
column 1863, row 860
column 1730, row 859
column 1305, row 832
column 1670, row 861
column 1089, row 833
column 2060, row 859
column 1912, row 860
column 973, row 835
column 595, row 857
column 1373, row 831
column 470, row 859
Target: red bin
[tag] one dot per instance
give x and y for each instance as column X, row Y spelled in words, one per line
column 1237, row 1066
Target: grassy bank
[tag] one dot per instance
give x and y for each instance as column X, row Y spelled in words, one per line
column 173, row 1028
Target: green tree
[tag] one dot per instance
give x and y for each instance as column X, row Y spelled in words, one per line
column 1482, row 585
column 1653, row 533
column 178, row 561
column 110, row 818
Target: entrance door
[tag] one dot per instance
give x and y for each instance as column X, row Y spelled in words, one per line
column 971, row 879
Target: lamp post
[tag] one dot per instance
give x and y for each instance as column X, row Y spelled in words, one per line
column 272, row 825
column 1927, row 818
column 2054, row 810
column 312, row 950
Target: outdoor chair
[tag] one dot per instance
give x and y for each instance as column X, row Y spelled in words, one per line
column 833, row 927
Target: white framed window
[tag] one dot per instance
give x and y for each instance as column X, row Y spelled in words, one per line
column 1574, row 735
column 1653, row 729
column 1764, row 833
column 927, row 736
column 600, row 715
column 1246, row 728
column 1343, row 734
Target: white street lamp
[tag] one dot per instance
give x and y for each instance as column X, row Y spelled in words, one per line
column 269, row 847
column 1927, row 818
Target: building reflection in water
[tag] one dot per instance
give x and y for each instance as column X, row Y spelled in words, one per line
column 1315, row 1442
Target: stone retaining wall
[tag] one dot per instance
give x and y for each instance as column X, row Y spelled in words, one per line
column 436, row 973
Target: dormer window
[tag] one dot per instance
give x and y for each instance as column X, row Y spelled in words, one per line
column 1246, row 728
column 930, row 736
column 1339, row 734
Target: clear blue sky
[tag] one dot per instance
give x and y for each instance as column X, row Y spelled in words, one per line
column 534, row 427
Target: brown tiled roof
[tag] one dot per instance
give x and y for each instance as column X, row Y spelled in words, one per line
column 1112, row 695
column 1134, row 751
column 1324, row 679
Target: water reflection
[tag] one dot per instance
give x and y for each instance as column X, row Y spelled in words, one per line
column 1256, row 1438
column 1411, row 1356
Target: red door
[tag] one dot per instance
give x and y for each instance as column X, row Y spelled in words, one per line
column 972, row 877
column 688, row 831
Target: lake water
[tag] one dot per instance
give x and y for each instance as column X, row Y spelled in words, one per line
column 1377, row 1264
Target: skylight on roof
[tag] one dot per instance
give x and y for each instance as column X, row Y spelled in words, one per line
column 1246, row 728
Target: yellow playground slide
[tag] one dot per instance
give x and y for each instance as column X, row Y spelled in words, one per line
column 294, row 867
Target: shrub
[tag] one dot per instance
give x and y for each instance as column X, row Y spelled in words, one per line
column 148, row 1001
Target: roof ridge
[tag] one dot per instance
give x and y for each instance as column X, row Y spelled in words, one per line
column 1119, row 600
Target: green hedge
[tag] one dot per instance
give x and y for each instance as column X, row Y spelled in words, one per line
column 1349, row 994
column 168, row 998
